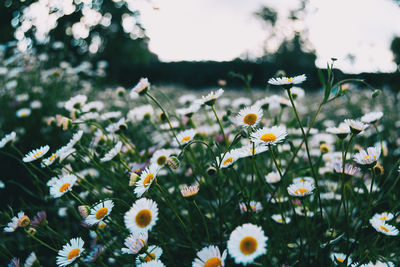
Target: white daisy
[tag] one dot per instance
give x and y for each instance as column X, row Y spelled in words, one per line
column 269, row 136
column 70, row 252
column 23, row 113
column 94, row 106
column 30, row 260
column 135, row 242
column 384, row 216
column 155, row 253
column 384, row 228
column 185, row 137
column 141, row 88
column 278, row 218
column 139, row 113
column 304, row 179
column 62, row 185
column 99, row 212
column 146, row 179
column 117, row 126
column 356, row 127
column 75, row 138
column 249, row 116
column 368, row 157
column 210, row 98
column 189, row 111
column 112, row 153
column 372, row 117
column 189, row 191
column 155, row 263
column 50, row 160
column 228, row 159
column 21, row 220
column 348, row 168
column 340, row 258
column 36, row 154
column 272, row 177
column 254, row 206
column 297, row 92
column 300, row 189
column 246, row 243
column 11, row 137
column 160, row 156
column 111, row 115
column 248, row 151
column 209, row 257
column 342, row 131
column 142, row 216
column 288, row 81
column 75, row 102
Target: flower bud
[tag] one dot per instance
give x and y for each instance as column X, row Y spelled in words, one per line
column 378, row 169
column 173, row 162
column 324, row 148
column 211, row 171
column 84, row 211
column 24, row 221
column 32, row 231
column 133, row 178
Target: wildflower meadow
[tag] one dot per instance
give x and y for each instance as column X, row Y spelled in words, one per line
column 148, row 177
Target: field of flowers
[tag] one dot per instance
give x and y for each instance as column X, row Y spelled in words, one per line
column 166, row 176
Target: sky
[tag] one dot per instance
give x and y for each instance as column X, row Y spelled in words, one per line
column 222, row 30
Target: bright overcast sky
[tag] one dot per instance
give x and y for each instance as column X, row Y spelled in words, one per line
column 225, row 29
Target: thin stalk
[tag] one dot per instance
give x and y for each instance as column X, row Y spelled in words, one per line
column 41, row 242
column 204, row 221
column 219, row 122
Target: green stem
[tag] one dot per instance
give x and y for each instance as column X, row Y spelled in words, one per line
column 41, row 242
column 204, row 221
column 219, row 122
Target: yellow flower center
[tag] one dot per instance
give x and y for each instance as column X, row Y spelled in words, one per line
column 251, row 151
column 64, row 187
column 101, row 213
column 24, row 221
column 250, row 118
column 268, row 137
column 213, row 262
column 340, row 259
column 289, row 79
column 147, row 179
column 102, row 225
column 53, row 157
column 300, row 191
column 227, row 161
column 383, row 218
column 143, row 218
column 24, row 114
column 161, row 160
column 384, row 228
column 248, row 245
column 367, row 156
column 148, row 258
column 37, row 154
column 279, row 220
column 185, row 139
column 73, row 253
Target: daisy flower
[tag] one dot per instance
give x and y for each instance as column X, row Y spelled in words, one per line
column 154, row 263
column 254, row 206
column 70, row 252
column 99, row 212
column 249, row 116
column 142, row 216
column 116, row 127
column 141, row 88
column 228, row 159
column 384, row 228
column 30, row 260
column 160, row 156
column 342, row 131
column 246, row 243
column 23, row 113
column 287, row 82
column 155, row 253
column 189, row 111
column 146, row 179
column 384, row 216
column 269, row 136
column 11, row 137
column 135, row 242
column 248, row 151
column 300, row 189
column 278, row 218
column 209, row 257
column 340, row 257
column 50, row 160
column 210, row 99
column 297, row 92
column 356, row 127
column 185, row 137
column 304, row 179
column 93, row 106
column 36, row 154
column 273, row 177
column 75, row 102
column 372, row 117
column 21, row 220
column 61, row 186
column 348, row 169
column 368, row 157
column 189, row 191
column 112, row 153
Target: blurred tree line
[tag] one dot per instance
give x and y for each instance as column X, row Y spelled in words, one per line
column 118, row 38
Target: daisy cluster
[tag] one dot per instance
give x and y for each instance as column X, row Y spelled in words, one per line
column 218, row 178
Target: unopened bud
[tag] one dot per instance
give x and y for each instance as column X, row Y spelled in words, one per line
column 121, row 91
column 173, row 162
column 211, row 171
column 378, row 169
column 24, row 221
column 376, row 93
column 133, row 178
column 324, row 148
column 32, row 231
column 84, row 211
